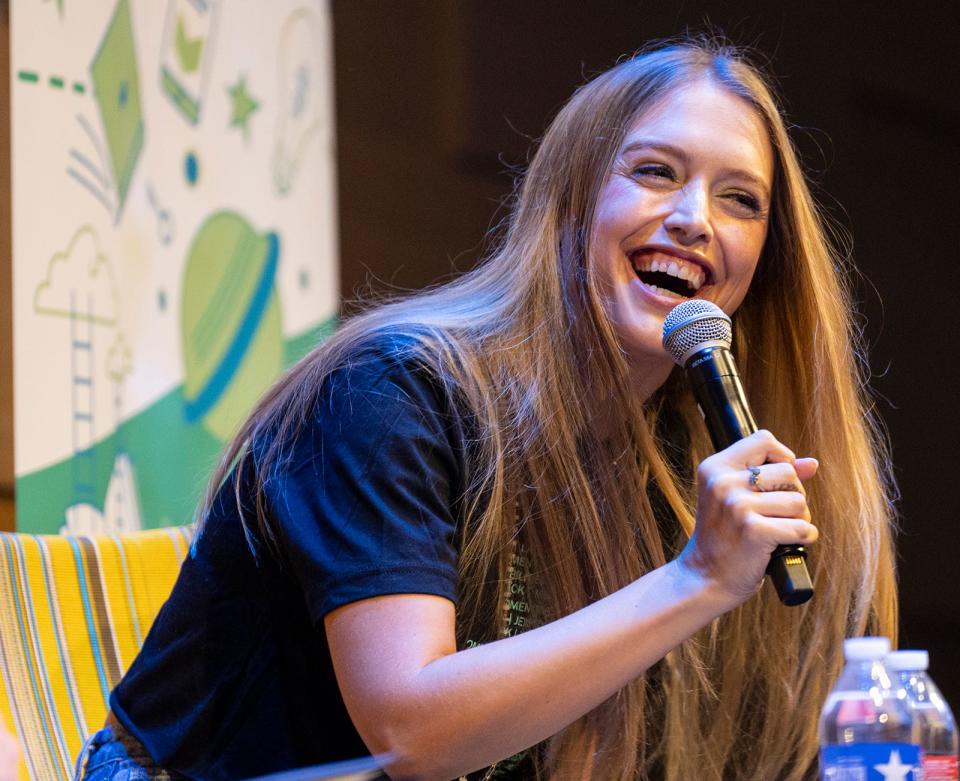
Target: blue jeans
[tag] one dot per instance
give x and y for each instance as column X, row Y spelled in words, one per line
column 110, row 756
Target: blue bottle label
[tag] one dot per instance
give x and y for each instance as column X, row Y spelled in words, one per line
column 871, row 762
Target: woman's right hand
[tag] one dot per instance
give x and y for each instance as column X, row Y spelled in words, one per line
column 740, row 522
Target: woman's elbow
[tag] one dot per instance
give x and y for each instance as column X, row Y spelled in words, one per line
column 410, row 746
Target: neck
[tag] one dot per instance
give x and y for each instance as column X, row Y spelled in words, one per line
column 647, row 377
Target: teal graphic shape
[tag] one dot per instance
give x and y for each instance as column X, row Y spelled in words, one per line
column 116, row 88
column 231, row 334
column 173, row 461
column 191, row 168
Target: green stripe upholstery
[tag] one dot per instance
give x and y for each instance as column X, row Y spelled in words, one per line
column 73, row 613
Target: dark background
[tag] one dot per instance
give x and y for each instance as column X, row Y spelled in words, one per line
column 438, row 102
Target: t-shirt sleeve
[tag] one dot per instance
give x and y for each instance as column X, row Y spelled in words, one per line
column 365, row 500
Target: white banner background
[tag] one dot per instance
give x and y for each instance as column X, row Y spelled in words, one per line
column 152, row 138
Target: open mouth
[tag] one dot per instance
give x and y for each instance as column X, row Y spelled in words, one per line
column 667, row 274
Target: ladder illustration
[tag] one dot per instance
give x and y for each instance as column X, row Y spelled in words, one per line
column 83, row 400
column 117, row 483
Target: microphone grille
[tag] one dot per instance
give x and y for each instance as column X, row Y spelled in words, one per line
column 693, row 325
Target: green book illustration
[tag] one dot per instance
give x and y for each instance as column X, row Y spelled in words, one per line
column 186, row 53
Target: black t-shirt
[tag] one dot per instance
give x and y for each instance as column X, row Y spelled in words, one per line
column 235, row 678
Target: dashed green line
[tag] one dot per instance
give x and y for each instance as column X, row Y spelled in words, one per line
column 55, row 82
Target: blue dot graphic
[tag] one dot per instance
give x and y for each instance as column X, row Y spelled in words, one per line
column 191, row 168
column 123, row 93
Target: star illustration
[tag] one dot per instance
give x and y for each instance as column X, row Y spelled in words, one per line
column 243, row 105
column 893, row 769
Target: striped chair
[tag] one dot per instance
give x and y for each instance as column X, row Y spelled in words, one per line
column 73, row 614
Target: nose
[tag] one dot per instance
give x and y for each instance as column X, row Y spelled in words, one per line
column 689, row 220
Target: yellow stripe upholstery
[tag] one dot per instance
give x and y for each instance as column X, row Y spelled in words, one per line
column 73, row 614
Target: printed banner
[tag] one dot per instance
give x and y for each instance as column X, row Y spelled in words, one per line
column 174, row 241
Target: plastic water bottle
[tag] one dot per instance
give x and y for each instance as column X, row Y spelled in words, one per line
column 866, row 733
column 931, row 714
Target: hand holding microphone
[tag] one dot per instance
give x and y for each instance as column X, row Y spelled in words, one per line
column 697, row 334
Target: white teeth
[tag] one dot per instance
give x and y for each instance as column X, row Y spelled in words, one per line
column 664, row 292
column 694, row 276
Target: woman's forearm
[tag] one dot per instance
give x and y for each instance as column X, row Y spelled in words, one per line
column 465, row 710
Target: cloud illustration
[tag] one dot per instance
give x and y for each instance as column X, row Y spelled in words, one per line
column 79, row 282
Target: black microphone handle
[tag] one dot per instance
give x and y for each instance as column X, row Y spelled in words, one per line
column 716, row 386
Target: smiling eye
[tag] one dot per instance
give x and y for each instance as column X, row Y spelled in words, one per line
column 746, row 202
column 655, row 171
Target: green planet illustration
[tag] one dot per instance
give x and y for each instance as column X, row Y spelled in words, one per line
column 231, row 331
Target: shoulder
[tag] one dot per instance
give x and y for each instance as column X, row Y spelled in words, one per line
column 384, row 389
column 391, row 371
column 384, row 353
column 379, row 403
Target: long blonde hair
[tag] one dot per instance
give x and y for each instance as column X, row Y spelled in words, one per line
column 524, row 346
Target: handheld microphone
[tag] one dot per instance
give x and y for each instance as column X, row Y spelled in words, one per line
column 698, row 335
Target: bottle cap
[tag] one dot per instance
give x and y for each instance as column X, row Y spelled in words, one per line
column 908, row 660
column 865, row 649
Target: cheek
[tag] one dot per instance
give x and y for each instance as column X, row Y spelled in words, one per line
column 621, row 207
column 743, row 249
column 607, row 221
column 624, row 216
column 606, row 237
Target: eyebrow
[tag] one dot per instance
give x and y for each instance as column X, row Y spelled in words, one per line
column 680, row 154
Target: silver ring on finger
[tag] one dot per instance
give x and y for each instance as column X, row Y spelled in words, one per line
column 754, row 478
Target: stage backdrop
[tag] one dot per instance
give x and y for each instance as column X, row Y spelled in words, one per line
column 174, row 243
